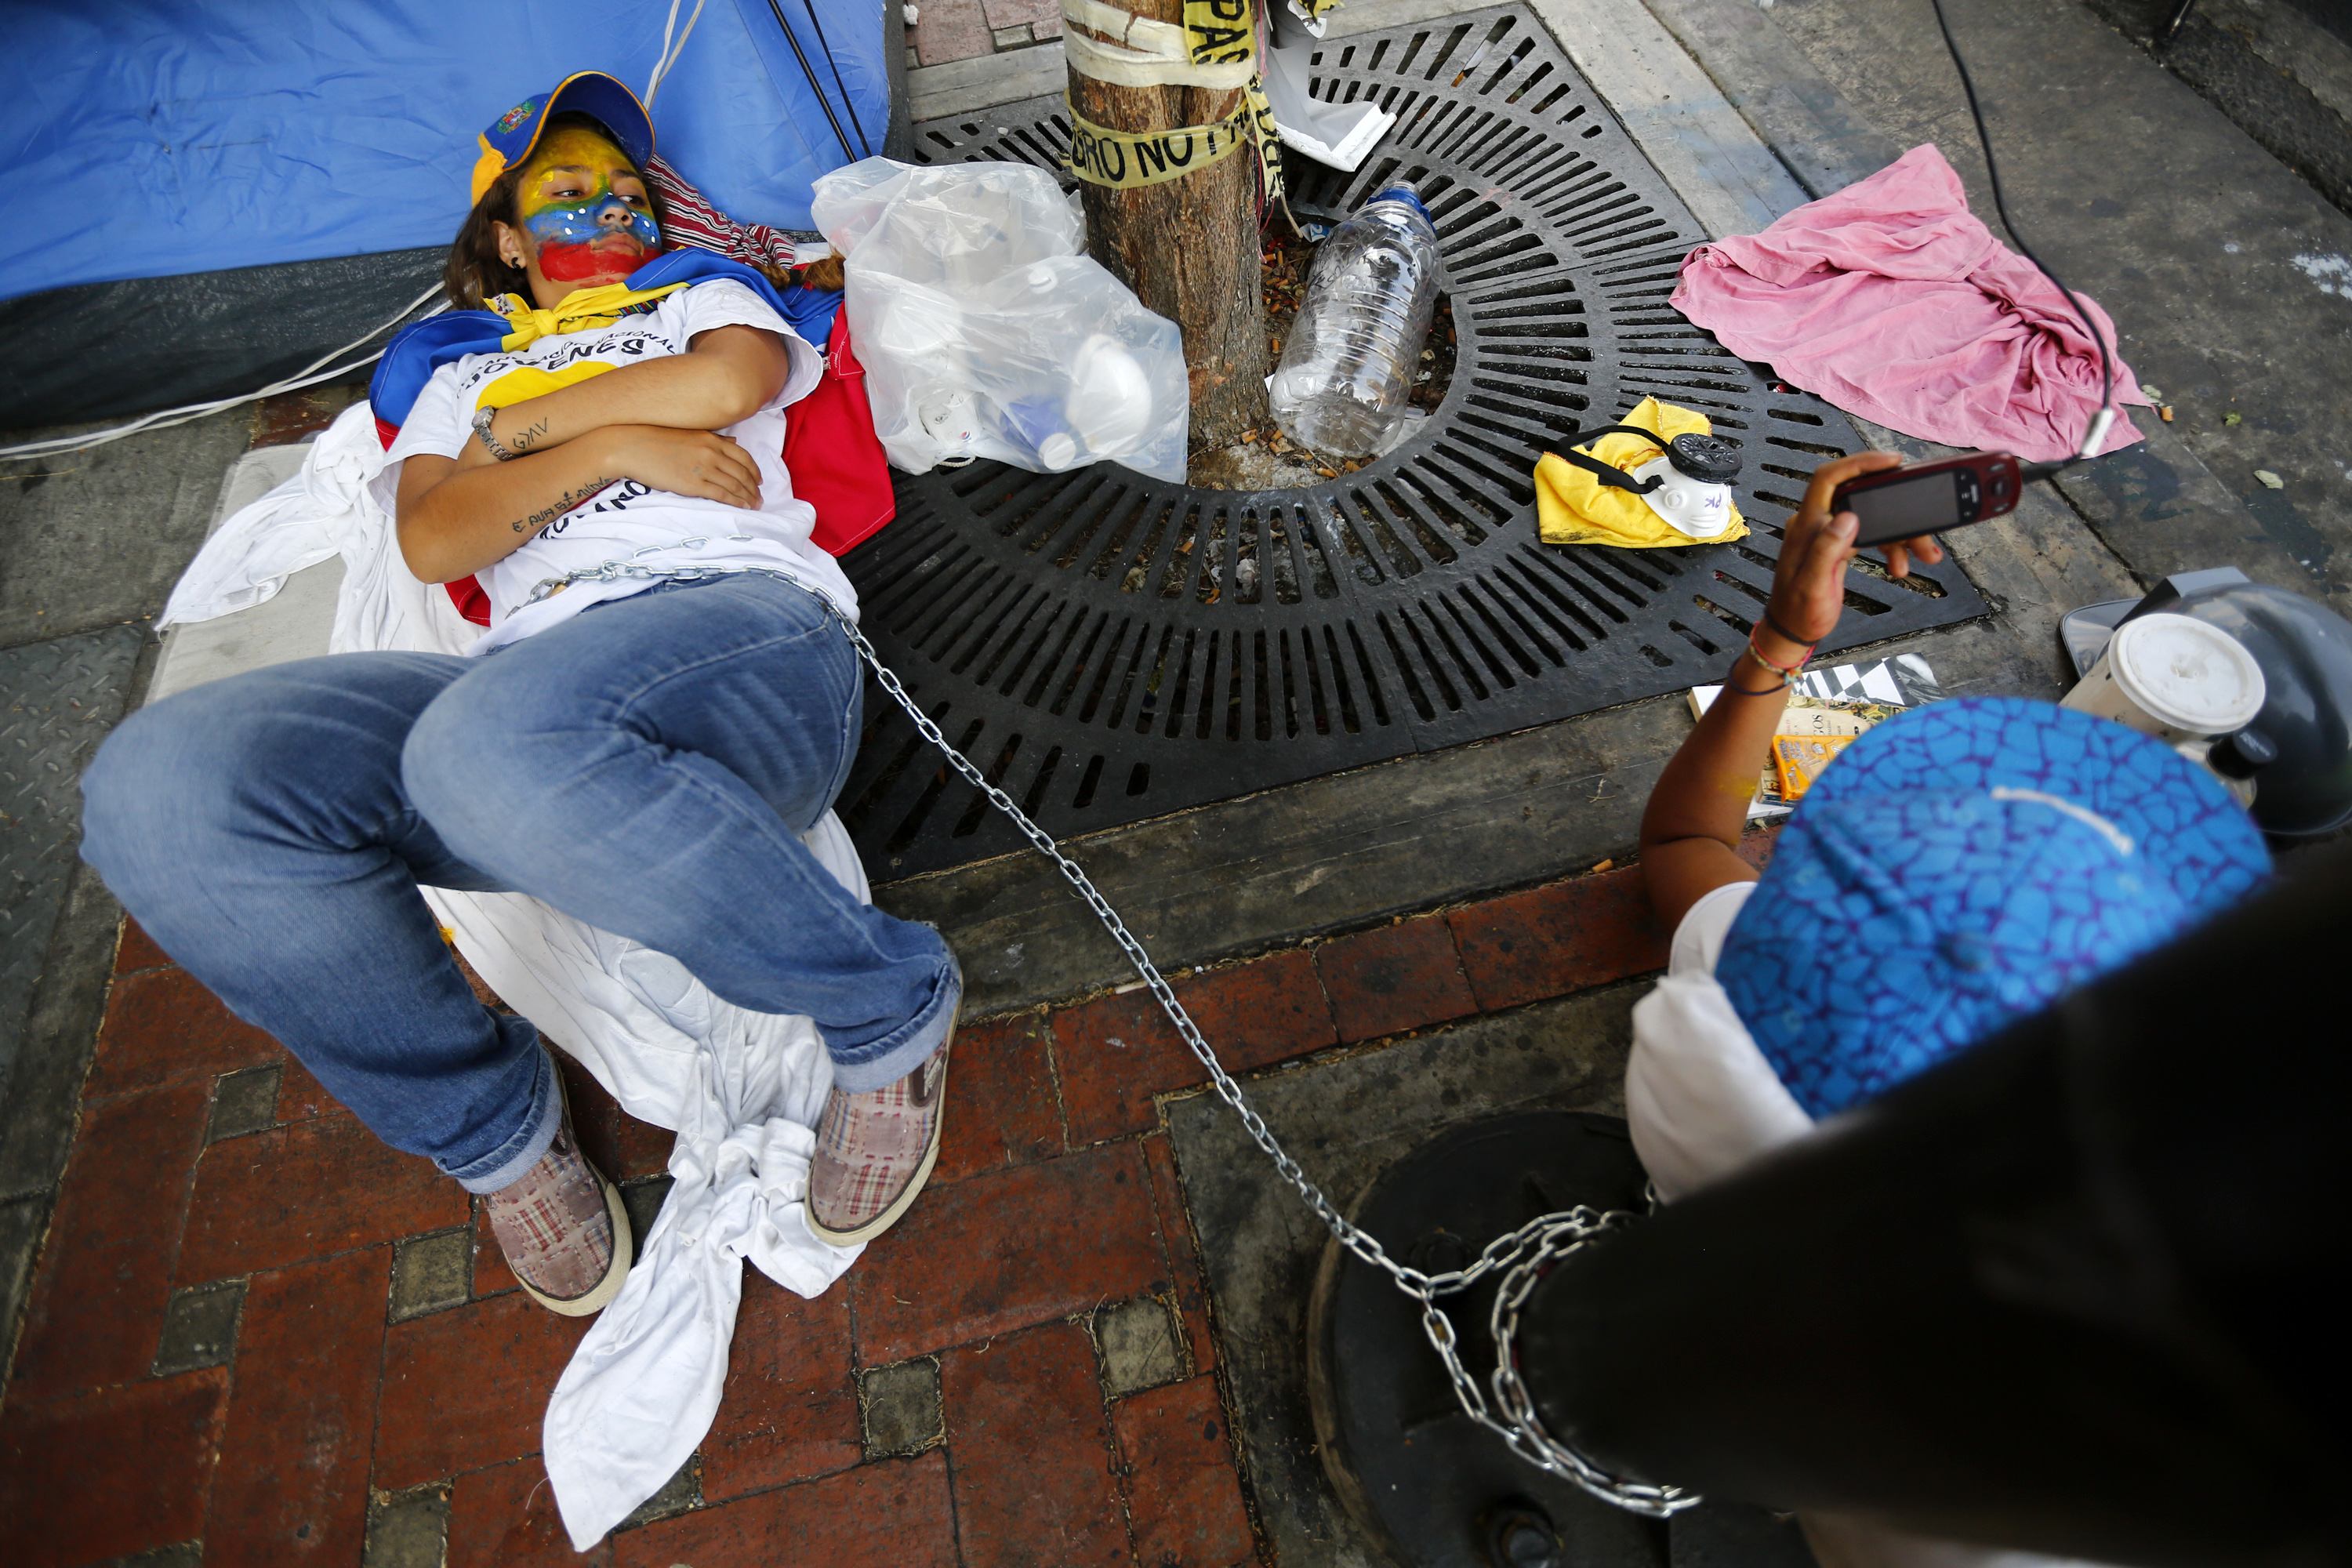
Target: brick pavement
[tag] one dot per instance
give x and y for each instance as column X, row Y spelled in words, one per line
column 258, row 1335
column 947, row 30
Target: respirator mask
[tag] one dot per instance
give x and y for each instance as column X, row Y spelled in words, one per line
column 1688, row 486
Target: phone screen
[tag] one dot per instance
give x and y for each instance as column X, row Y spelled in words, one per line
column 1924, row 505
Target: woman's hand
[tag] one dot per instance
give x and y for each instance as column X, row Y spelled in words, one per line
column 1809, row 583
column 697, row 463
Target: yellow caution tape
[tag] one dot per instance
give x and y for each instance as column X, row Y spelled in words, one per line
column 1217, row 37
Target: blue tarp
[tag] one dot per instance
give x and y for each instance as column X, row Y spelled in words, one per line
column 150, row 138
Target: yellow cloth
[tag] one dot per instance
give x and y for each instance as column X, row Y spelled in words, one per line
column 1574, row 507
column 580, row 308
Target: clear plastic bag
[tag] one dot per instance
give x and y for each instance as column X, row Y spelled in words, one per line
column 985, row 329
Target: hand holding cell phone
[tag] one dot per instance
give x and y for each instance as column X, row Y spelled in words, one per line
column 1809, row 582
column 1930, row 498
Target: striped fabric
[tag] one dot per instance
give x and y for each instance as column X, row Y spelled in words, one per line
column 692, row 220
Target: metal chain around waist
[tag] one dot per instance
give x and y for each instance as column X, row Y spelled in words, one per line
column 1519, row 1257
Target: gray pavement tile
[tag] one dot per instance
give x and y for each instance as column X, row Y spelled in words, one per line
column 244, row 1101
column 1346, row 1119
column 184, row 1554
column 643, row 1198
column 679, row 1494
column 57, row 701
column 407, row 1530
column 23, row 1223
column 430, row 1272
column 899, row 1407
column 200, row 1328
column 1138, row 1346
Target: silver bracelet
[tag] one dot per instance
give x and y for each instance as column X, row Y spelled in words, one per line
column 482, row 417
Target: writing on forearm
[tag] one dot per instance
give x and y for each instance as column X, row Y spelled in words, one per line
column 558, row 507
column 531, row 436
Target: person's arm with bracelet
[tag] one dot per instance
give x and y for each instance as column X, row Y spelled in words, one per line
column 727, row 374
column 454, row 520
column 1690, row 831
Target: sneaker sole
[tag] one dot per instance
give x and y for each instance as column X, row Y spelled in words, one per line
column 601, row 1295
column 905, row 1200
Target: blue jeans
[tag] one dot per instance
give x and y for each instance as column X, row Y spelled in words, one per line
column 646, row 767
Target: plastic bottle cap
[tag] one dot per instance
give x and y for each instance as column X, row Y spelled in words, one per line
column 1407, row 194
column 1057, row 450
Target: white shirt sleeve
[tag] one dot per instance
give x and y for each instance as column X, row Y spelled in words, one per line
column 724, row 302
column 436, row 424
column 1700, row 1097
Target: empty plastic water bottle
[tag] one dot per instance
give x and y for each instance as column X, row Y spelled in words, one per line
column 1341, row 387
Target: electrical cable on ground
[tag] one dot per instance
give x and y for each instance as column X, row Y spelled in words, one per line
column 59, row 445
column 2106, row 416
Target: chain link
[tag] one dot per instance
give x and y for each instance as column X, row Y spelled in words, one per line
column 1521, row 1257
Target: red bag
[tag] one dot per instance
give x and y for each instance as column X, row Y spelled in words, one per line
column 831, row 450
column 835, row 458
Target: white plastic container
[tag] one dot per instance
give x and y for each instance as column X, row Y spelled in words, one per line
column 2175, row 678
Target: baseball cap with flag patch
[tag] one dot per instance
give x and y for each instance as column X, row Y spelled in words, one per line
column 604, row 99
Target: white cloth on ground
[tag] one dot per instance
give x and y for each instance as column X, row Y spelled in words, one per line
column 741, row 1090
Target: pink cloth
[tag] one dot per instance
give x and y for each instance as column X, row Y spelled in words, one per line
column 1891, row 300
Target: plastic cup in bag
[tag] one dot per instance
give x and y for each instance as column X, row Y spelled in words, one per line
column 2174, row 678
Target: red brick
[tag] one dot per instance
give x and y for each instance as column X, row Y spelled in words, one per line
column 1119, row 1051
column 137, row 949
column 1397, row 977
column 105, row 1269
column 621, row 1146
column 948, row 30
column 294, row 1463
column 505, row 1518
column 467, row 1388
column 1183, row 1253
column 1183, row 1493
column 292, row 416
column 1002, row 1107
column 108, row 1474
column 1029, row 1458
column 790, row 1409
column 309, row 1190
column 896, row 1513
column 491, row 1273
column 301, row 1097
column 163, row 1027
column 1007, row 1250
column 1014, row 12
column 1587, row 930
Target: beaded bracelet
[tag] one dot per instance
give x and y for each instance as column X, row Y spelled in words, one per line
column 1783, row 670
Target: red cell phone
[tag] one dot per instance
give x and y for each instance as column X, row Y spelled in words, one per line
column 1929, row 497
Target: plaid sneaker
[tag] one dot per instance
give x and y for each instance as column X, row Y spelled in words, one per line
column 564, row 1230
column 874, row 1151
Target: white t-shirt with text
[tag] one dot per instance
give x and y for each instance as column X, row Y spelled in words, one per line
column 626, row 522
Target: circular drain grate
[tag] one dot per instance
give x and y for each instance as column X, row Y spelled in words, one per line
column 1109, row 648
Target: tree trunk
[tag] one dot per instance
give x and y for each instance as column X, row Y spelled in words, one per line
column 1189, row 247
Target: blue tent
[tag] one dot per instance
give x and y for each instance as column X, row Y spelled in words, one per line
column 206, row 196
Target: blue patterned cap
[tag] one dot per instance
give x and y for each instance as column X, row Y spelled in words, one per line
column 1961, row 867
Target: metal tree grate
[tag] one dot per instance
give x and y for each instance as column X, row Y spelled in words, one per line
column 1109, row 648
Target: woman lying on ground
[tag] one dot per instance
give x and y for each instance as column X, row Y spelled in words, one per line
column 641, row 752
column 1957, row 869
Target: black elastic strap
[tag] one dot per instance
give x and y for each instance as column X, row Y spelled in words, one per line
column 1609, row 473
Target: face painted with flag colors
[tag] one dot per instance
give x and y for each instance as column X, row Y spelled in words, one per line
column 585, row 217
